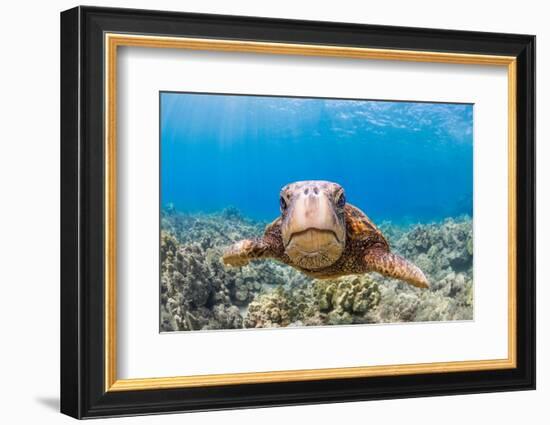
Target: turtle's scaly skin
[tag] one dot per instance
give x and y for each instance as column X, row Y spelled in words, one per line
column 364, row 247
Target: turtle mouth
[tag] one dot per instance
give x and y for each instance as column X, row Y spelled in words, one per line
column 314, row 248
column 312, row 237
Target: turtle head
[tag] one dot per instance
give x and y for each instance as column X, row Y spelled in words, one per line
column 313, row 226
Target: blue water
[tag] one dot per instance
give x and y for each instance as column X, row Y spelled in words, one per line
column 399, row 161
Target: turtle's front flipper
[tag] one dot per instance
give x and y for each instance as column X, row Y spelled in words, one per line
column 240, row 253
column 392, row 265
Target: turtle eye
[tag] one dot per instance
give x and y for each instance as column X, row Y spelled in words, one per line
column 283, row 204
column 341, row 201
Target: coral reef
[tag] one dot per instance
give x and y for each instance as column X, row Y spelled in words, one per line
column 324, row 302
column 444, row 252
column 193, row 294
column 198, row 292
column 347, row 300
column 275, row 309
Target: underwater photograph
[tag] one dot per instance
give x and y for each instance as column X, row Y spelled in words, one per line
column 298, row 211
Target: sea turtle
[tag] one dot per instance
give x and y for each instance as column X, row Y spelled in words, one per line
column 323, row 236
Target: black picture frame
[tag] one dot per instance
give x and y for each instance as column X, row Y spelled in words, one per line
column 83, row 392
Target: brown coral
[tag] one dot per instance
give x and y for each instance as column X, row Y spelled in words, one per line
column 198, row 292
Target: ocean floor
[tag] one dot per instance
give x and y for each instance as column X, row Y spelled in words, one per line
column 198, row 292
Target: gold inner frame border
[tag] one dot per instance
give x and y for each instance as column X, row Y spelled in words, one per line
column 113, row 40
